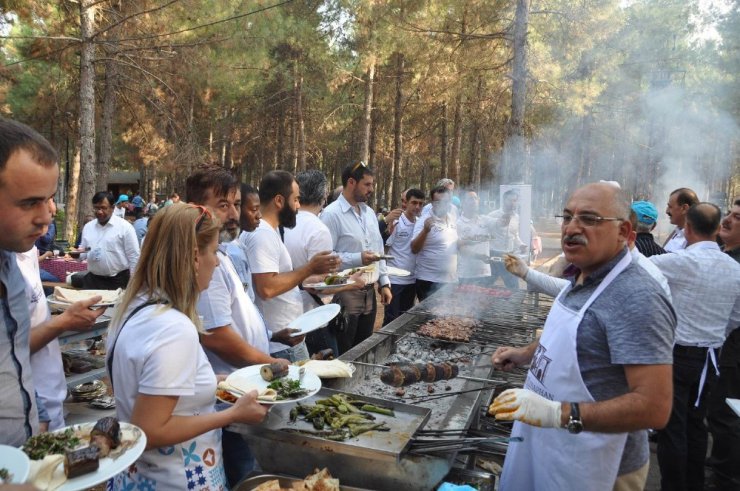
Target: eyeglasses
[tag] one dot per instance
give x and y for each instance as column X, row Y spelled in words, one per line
column 587, row 220
column 357, row 166
column 204, row 212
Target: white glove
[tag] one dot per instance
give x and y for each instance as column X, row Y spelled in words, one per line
column 515, row 265
column 526, row 406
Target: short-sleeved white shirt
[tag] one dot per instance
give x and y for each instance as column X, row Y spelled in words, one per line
column 399, row 246
column 467, row 265
column 224, row 303
column 114, row 246
column 437, row 260
column 309, row 237
column 267, row 254
column 46, row 363
column 158, row 353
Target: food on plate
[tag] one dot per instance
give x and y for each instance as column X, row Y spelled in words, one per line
column 320, row 480
column 287, row 388
column 449, row 328
column 231, row 391
column 273, row 371
column 5, row 475
column 81, row 461
column 403, row 374
column 43, row 444
column 335, row 279
column 106, row 435
column 69, row 295
column 339, row 417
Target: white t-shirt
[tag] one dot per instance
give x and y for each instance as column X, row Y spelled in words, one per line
column 158, row 353
column 224, row 303
column 309, row 237
column 505, row 236
column 46, row 363
column 677, row 241
column 467, row 265
column 267, row 254
column 437, row 260
column 114, row 246
column 119, row 212
column 399, row 246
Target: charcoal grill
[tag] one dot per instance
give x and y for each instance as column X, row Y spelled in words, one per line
column 505, row 319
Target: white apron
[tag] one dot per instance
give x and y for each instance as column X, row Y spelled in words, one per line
column 553, row 458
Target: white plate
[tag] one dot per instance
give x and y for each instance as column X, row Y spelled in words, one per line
column 65, row 305
column 393, row 271
column 314, row 319
column 16, row 462
column 109, row 467
column 251, row 376
column 324, row 286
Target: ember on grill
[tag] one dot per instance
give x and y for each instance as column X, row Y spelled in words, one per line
column 404, row 374
column 449, row 328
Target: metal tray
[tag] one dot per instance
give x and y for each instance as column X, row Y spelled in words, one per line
column 390, row 444
column 285, row 482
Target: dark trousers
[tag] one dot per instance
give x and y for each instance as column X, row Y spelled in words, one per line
column 238, row 458
column 403, row 299
column 360, row 308
column 682, row 444
column 724, row 424
column 94, row 282
column 321, row 339
column 425, row 288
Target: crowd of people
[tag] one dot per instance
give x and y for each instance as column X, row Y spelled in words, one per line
column 213, row 283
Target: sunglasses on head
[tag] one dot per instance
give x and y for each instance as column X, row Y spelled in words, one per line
column 204, row 212
column 357, row 166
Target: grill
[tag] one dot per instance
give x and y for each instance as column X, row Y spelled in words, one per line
column 453, row 408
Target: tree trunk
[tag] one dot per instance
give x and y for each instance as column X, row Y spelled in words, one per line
column 443, row 142
column 514, row 158
column 109, row 112
column 397, row 133
column 87, row 108
column 374, row 125
column 300, row 124
column 367, row 111
column 456, row 141
column 71, row 221
column 280, row 149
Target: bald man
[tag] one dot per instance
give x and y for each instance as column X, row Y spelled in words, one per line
column 600, row 375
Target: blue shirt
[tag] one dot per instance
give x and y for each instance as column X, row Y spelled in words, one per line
column 18, row 413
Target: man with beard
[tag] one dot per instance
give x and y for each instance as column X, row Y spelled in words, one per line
column 435, row 245
column 356, row 238
column 600, row 375
column 112, row 245
column 275, row 280
column 723, row 422
column 705, row 284
column 237, row 336
column 679, row 203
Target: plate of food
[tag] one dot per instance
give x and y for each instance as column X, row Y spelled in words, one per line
column 14, row 465
column 81, row 456
column 274, row 384
column 62, row 298
column 314, row 319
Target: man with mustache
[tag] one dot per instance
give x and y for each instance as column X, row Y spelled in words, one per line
column 357, row 241
column 679, row 203
column 723, row 422
column 708, row 308
column 600, row 375
column 275, row 280
column 237, row 335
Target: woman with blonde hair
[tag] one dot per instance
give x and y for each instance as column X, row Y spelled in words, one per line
column 161, row 377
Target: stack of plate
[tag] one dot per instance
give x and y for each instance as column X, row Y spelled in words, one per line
column 88, row 391
column 103, row 402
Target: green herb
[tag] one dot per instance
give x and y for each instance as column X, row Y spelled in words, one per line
column 39, row 446
column 287, row 388
column 5, row 475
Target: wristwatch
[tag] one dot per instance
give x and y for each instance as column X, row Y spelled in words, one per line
column 574, row 424
column 384, row 286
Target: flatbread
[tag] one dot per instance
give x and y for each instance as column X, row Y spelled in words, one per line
column 330, row 368
column 71, row 296
column 263, row 394
column 47, row 474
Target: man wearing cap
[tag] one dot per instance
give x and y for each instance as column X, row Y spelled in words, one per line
column 121, row 205
column 113, row 249
column 647, row 219
column 679, row 203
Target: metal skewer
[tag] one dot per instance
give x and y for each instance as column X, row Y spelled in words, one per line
column 464, row 377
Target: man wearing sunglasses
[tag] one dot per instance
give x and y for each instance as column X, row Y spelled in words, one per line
column 600, row 375
column 356, row 238
column 237, row 335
